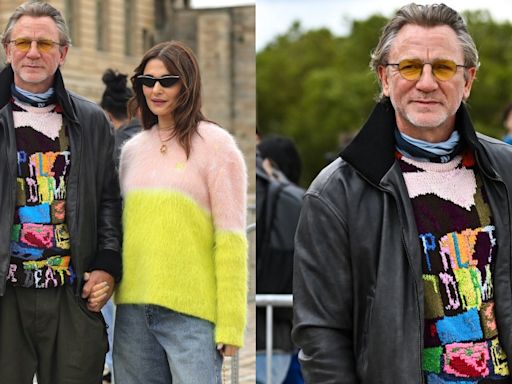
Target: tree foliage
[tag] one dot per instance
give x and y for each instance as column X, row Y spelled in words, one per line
column 317, row 87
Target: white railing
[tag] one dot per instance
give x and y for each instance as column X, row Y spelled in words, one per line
column 235, row 360
column 271, row 301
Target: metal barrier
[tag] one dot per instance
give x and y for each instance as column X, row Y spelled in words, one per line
column 271, row 301
column 235, row 366
column 235, row 360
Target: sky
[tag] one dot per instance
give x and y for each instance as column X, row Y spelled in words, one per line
column 220, row 3
column 274, row 17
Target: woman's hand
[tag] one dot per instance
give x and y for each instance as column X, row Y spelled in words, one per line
column 227, row 350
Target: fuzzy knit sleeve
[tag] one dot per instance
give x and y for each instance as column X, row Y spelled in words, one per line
column 227, row 183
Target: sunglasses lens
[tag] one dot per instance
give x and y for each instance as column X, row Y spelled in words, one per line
column 444, row 69
column 147, row 81
column 23, row 44
column 410, row 69
column 167, row 82
column 44, row 45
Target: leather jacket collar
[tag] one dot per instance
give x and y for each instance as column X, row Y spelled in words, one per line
column 7, row 77
column 372, row 150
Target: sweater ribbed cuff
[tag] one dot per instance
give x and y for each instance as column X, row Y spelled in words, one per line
column 110, row 262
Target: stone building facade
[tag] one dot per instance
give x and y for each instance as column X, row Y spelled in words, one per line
column 116, row 33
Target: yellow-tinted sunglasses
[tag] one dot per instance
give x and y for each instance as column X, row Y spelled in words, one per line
column 43, row 45
column 411, row 69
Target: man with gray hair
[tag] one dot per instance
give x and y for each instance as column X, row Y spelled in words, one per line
column 59, row 211
column 403, row 249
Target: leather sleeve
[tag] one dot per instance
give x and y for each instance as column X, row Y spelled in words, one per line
column 322, row 293
column 108, row 256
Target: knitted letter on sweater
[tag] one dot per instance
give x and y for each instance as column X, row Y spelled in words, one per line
column 40, row 245
column 184, row 242
column 457, row 236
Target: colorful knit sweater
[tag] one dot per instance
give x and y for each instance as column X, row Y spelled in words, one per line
column 184, row 245
column 40, row 247
column 457, row 236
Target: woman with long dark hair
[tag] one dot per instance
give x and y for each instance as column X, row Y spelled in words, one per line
column 182, row 300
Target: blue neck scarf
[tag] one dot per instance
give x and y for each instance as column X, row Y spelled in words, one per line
column 35, row 99
column 425, row 151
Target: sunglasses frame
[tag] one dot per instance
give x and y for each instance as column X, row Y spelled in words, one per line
column 166, row 81
column 40, row 43
column 453, row 66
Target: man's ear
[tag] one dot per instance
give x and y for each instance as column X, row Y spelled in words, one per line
column 470, row 76
column 7, row 53
column 384, row 79
column 63, row 53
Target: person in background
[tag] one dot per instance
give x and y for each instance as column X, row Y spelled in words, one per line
column 282, row 155
column 114, row 102
column 507, row 123
column 403, row 249
column 278, row 164
column 60, row 211
column 182, row 304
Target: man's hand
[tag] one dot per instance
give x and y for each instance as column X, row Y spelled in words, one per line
column 98, row 289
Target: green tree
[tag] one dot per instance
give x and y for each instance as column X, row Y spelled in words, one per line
column 492, row 90
column 281, row 68
column 314, row 86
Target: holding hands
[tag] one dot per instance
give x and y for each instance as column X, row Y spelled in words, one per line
column 98, row 288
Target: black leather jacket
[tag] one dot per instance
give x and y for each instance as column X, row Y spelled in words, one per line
column 358, row 290
column 122, row 134
column 93, row 203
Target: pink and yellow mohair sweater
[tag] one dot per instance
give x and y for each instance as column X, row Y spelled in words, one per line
column 184, row 245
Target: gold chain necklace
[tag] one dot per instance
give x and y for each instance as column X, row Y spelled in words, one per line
column 163, row 146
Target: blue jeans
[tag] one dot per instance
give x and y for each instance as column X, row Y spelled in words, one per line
column 280, row 365
column 294, row 375
column 155, row 345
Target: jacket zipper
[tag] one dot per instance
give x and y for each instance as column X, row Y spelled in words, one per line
column 12, row 192
column 500, row 181
column 420, row 320
column 418, row 304
column 74, row 237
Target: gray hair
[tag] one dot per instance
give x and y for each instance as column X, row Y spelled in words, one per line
column 425, row 16
column 38, row 9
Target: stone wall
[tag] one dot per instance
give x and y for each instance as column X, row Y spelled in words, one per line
column 222, row 38
column 224, row 41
